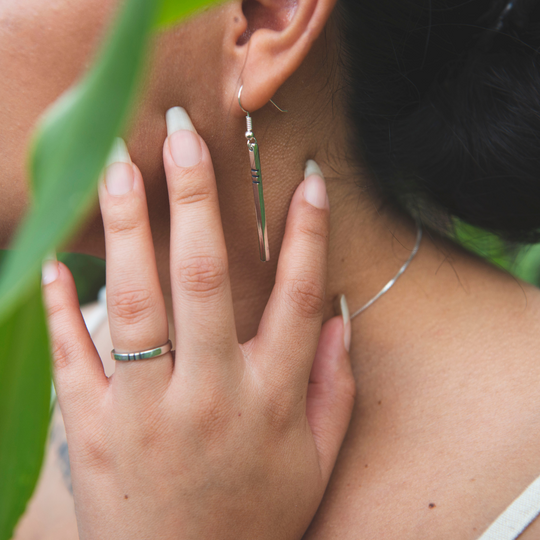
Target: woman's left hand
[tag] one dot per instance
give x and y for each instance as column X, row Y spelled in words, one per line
column 223, row 440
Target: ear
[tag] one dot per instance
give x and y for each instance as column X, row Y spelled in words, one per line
column 268, row 43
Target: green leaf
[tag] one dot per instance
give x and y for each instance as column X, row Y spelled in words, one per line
column 70, row 148
column 25, row 394
column 88, row 273
column 485, row 244
column 173, row 10
column 528, row 265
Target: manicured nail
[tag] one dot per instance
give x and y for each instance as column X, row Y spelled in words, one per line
column 49, row 272
column 314, row 185
column 184, row 142
column 178, row 120
column 344, row 310
column 119, row 177
column 312, row 168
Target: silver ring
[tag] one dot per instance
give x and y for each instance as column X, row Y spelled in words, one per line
column 142, row 355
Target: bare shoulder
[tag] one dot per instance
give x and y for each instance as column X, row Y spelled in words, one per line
column 446, row 428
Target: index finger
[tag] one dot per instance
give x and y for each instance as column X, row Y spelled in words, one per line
column 291, row 323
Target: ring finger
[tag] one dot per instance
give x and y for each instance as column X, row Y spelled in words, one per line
column 137, row 315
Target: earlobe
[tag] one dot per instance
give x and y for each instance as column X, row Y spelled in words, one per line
column 271, row 43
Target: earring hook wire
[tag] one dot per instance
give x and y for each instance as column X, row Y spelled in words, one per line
column 247, row 112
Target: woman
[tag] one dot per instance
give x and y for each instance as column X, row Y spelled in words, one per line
column 394, row 100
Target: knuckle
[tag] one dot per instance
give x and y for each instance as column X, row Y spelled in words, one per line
column 65, row 350
column 211, row 414
column 55, row 310
column 305, row 295
column 280, row 403
column 191, row 191
column 133, row 305
column 203, row 276
column 279, row 410
column 313, row 231
column 94, row 450
column 125, row 225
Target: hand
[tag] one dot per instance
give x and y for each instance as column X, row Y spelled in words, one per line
column 221, row 440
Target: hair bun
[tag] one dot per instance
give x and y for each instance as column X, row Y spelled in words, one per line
column 473, row 144
column 445, row 113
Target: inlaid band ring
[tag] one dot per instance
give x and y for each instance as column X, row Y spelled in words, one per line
column 142, row 355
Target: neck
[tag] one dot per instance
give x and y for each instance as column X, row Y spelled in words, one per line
column 369, row 242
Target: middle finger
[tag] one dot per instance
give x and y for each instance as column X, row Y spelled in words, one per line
column 202, row 299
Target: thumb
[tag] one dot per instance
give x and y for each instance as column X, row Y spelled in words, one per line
column 331, row 389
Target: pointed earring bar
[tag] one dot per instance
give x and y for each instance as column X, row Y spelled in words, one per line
column 258, row 197
column 256, row 176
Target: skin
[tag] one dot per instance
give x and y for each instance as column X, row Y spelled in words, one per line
column 444, row 432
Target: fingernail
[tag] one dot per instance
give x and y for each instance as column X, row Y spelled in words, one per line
column 178, row 120
column 49, row 271
column 312, row 168
column 184, row 142
column 344, row 310
column 314, row 185
column 119, row 177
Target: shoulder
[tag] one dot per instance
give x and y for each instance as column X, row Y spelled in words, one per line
column 446, row 430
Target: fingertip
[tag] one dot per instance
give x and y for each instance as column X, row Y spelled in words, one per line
column 314, row 186
column 183, row 146
column 49, row 270
column 177, row 119
column 342, row 307
column 57, row 282
column 331, row 359
column 333, row 335
column 333, row 346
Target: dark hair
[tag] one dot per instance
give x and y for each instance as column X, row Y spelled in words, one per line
column 444, row 100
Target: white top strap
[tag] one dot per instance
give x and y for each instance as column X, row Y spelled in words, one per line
column 517, row 517
column 97, row 316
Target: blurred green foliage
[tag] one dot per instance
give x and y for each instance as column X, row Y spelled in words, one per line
column 24, row 407
column 521, row 261
column 88, row 273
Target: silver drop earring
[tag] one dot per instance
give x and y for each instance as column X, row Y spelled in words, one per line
column 256, row 175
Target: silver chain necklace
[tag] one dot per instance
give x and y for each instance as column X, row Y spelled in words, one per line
column 392, row 282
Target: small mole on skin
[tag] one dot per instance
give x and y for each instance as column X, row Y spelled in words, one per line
column 239, row 414
column 126, row 497
column 431, row 505
column 380, row 402
column 236, row 19
column 366, row 466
